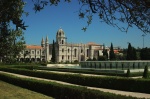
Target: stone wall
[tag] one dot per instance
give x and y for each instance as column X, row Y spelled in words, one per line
column 115, row 64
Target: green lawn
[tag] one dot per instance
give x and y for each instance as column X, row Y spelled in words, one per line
column 8, row 91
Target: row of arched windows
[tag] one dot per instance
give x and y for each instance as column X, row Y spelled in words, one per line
column 75, row 52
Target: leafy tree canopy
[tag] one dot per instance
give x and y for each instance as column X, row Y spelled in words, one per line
column 131, row 12
column 145, row 54
column 11, row 40
column 11, row 11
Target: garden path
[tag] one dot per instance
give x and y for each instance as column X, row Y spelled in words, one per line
column 133, row 94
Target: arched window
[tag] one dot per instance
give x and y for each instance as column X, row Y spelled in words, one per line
column 38, row 52
column 68, row 57
column 75, row 52
column 62, row 41
column 68, row 50
column 62, row 50
column 81, row 50
column 32, row 52
column 62, row 57
column 59, row 34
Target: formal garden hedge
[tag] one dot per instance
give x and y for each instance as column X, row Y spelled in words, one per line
column 91, row 71
column 74, row 70
column 60, row 91
column 117, row 83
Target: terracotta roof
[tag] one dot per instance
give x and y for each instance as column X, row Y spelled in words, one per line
column 92, row 43
column 116, row 51
column 33, row 47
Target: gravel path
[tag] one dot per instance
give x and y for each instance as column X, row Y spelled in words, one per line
column 134, row 94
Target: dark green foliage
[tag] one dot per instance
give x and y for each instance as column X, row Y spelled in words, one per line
column 102, row 58
column 105, row 52
column 117, row 83
column 128, row 73
column 30, row 67
column 11, row 39
column 60, row 91
column 145, row 54
column 134, row 54
column 43, row 63
column 131, row 53
column 89, row 59
column 146, row 74
column 94, row 59
column 111, row 53
column 53, row 59
column 76, row 62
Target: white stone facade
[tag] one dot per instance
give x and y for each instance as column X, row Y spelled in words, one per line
column 71, row 52
column 64, row 51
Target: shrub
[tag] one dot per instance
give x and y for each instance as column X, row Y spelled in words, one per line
column 145, row 74
column 128, row 73
column 67, row 62
column 89, row 59
column 76, row 62
column 102, row 58
column 94, row 59
column 44, row 64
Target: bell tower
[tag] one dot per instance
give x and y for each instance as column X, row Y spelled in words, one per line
column 60, row 37
column 47, row 49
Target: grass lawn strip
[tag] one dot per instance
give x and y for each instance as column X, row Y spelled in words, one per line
column 133, row 94
column 9, row 91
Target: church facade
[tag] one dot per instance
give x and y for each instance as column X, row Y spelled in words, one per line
column 64, row 51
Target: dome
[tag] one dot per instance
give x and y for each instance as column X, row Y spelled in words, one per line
column 60, row 32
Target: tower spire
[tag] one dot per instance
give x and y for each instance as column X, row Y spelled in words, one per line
column 42, row 42
column 46, row 41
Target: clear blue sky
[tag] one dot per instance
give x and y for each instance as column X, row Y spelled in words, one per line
column 48, row 21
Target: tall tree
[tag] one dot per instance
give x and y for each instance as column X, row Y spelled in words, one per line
column 53, row 59
column 105, row 54
column 134, row 53
column 145, row 54
column 131, row 53
column 11, row 11
column 111, row 53
column 11, row 40
column 131, row 12
column 11, row 44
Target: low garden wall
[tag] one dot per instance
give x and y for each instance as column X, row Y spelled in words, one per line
column 115, row 64
column 62, row 65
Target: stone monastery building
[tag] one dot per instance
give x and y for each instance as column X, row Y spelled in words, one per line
column 64, row 51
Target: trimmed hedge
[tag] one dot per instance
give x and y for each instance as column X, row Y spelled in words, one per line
column 73, row 70
column 60, row 91
column 30, row 67
column 87, row 71
column 91, row 71
column 117, row 83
